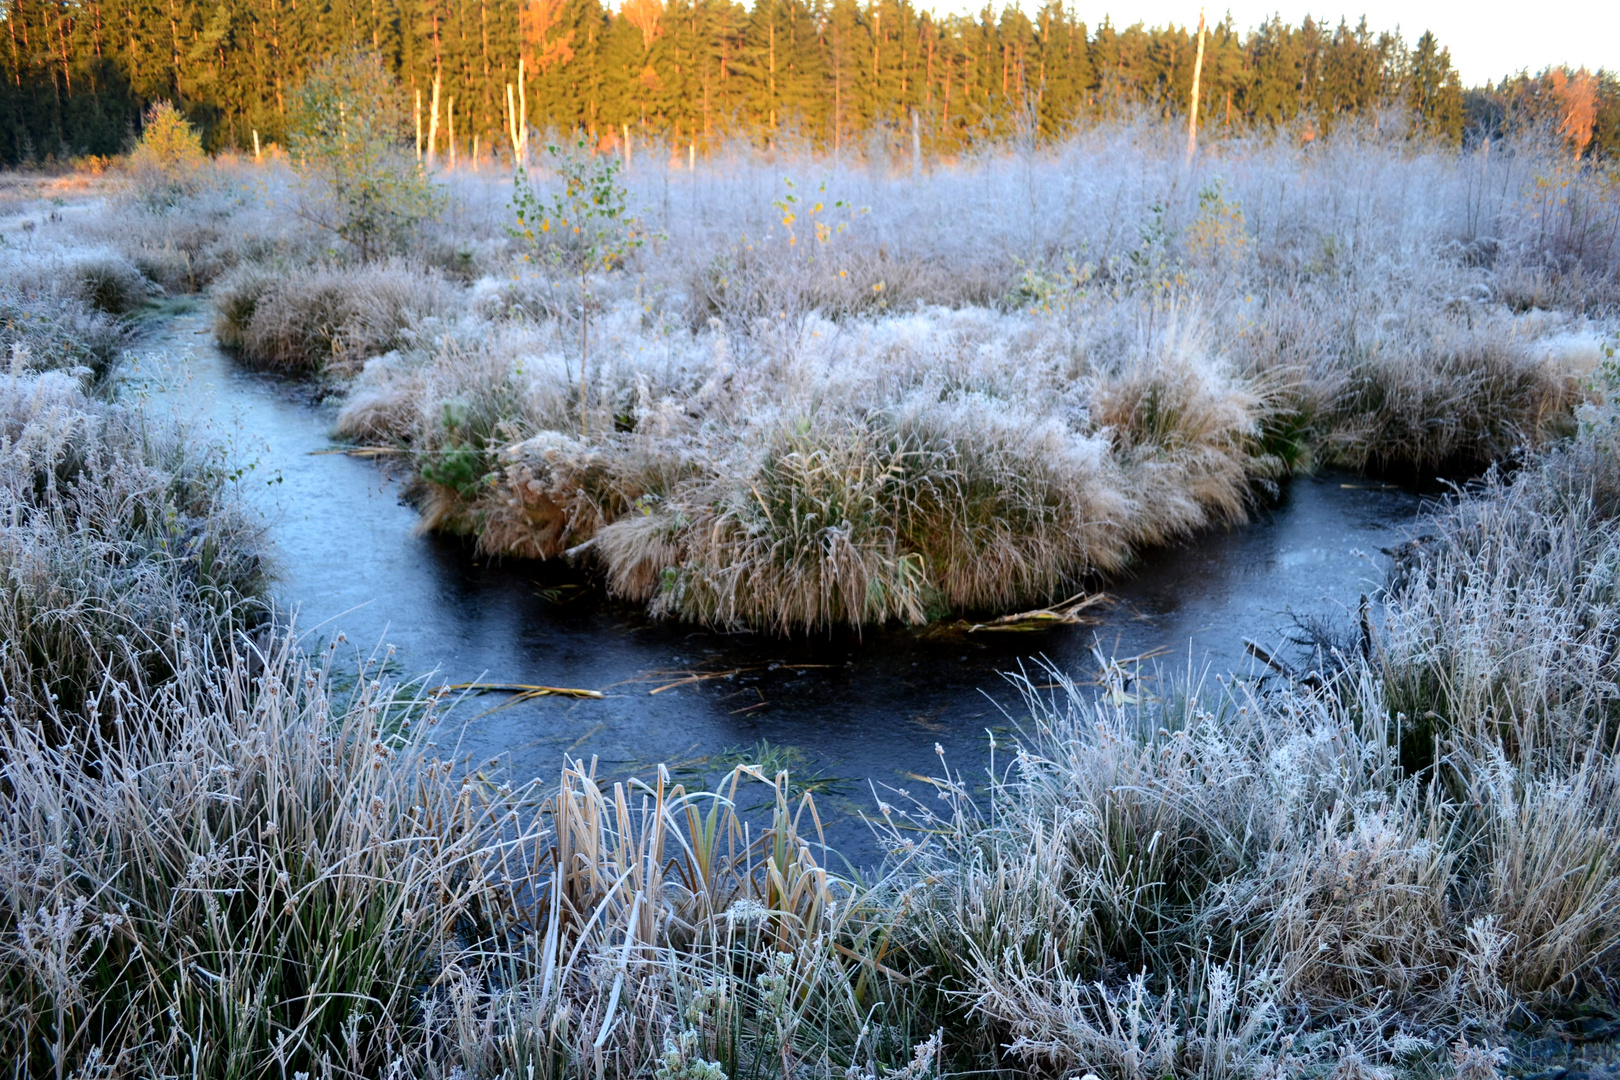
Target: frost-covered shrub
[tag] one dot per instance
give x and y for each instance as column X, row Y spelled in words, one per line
column 42, row 333
column 168, row 164
column 60, row 308
column 110, row 284
column 1335, row 898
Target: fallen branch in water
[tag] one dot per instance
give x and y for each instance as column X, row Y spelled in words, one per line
column 1067, row 613
column 361, row 451
column 524, row 691
column 1309, row 679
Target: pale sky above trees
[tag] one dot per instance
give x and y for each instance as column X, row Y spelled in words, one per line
column 1487, row 38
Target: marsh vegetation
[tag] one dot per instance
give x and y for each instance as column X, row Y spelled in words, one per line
column 804, row 398
column 794, row 396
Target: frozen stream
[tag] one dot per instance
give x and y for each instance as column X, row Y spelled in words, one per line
column 871, row 708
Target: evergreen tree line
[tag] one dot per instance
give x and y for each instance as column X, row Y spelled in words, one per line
column 75, row 75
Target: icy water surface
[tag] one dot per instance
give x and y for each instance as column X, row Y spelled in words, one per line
column 849, row 709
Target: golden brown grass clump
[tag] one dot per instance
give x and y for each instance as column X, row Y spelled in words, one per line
column 853, row 474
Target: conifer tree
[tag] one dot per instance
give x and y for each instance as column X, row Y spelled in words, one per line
column 77, row 75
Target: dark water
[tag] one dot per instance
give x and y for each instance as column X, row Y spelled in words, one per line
column 851, row 709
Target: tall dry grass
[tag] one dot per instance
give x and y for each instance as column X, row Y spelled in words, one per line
column 64, row 307
column 223, row 856
column 1403, row 847
column 117, row 534
column 1025, row 363
column 324, row 320
column 1251, row 883
column 1500, row 611
column 245, row 871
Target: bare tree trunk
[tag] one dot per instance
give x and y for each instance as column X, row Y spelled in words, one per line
column 433, row 125
column 452, row 131
column 523, row 114
column 1192, row 108
column 512, row 129
column 419, row 124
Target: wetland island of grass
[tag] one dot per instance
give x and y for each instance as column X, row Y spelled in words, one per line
column 822, row 331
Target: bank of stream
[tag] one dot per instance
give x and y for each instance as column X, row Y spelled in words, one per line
column 844, row 711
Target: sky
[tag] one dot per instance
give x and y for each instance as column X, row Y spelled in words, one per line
column 1488, row 39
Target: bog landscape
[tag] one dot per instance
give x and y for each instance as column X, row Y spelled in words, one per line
column 820, row 540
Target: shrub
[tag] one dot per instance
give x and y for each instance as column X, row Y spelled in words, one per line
column 46, row 333
column 168, row 163
column 583, row 230
column 347, row 144
column 1450, row 410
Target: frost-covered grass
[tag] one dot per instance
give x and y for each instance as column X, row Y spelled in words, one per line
column 240, row 867
column 1407, row 848
column 324, row 318
column 63, row 307
column 836, row 395
column 116, row 535
column 851, row 472
column 222, row 856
